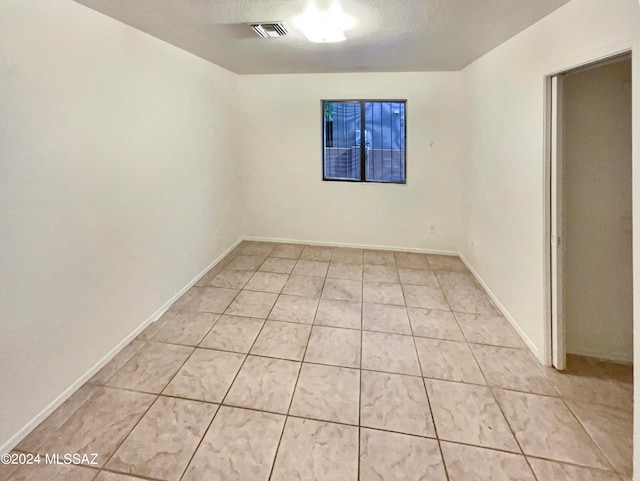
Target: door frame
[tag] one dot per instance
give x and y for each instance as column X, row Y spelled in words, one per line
column 554, row 332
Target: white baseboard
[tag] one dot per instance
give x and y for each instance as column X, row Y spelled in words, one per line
column 42, row 415
column 503, row 310
column 601, row 355
column 353, row 246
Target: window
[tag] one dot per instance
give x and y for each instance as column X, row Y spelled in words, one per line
column 378, row 155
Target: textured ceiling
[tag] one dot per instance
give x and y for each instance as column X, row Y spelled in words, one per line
column 391, row 35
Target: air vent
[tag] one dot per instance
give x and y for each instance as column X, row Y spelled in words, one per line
column 270, row 30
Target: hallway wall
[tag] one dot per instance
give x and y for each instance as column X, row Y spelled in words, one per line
column 597, row 234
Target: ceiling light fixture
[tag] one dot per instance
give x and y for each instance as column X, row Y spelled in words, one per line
column 324, row 26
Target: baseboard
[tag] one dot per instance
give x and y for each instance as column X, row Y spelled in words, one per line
column 42, row 415
column 600, row 355
column 503, row 310
column 353, row 246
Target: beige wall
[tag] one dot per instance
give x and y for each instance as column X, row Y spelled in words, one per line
column 117, row 188
column 597, row 274
column 504, row 204
column 282, row 162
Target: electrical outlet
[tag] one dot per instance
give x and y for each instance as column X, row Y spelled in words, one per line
column 432, row 228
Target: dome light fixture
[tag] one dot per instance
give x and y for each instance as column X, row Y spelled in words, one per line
column 325, row 25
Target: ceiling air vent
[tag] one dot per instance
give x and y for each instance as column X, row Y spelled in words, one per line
column 270, row 30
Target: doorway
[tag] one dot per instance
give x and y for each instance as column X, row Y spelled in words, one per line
column 589, row 211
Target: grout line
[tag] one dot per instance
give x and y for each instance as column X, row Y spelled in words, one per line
column 426, row 392
column 495, row 399
column 284, row 426
column 591, row 438
column 246, row 355
column 360, row 378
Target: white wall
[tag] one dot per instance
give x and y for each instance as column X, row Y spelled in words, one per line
column 597, row 274
column 504, row 202
column 282, row 166
column 117, row 167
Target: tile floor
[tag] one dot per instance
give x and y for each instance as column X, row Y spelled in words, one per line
column 291, row 362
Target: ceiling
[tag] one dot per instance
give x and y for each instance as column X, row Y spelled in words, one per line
column 390, row 35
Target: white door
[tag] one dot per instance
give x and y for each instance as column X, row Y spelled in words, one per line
column 557, row 320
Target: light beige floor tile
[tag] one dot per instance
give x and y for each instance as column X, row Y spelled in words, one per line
column 411, row 259
column 256, row 248
column 151, row 368
column 338, row 347
column 252, row 304
column 208, row 277
column 164, row 440
column 277, row 265
column 93, row 428
column 456, row 280
column 379, row 258
column 471, row 463
column 53, row 472
column 287, row 251
column 434, row 324
column 341, row 270
column 211, row 299
column 425, row 297
column 448, row 360
column 240, row 445
column 473, row 301
column 385, row 318
column 469, row 414
column 612, row 430
column 338, row 313
column 8, row 467
column 206, row 376
column 50, row 426
column 185, row 298
column 294, row 309
column 417, row 277
column 382, row 293
column 347, row 255
column 554, row 471
column 246, row 262
column 389, row 353
column 545, row 428
column 266, row 282
column 119, row 360
column 233, row 333
column 395, row 403
column 186, row 327
column 388, row 456
column 316, row 253
column 446, row 263
column 589, row 380
column 283, row 340
column 327, row 393
column 265, row 384
column 510, row 368
column 311, row 268
column 304, row 286
column 380, row 273
column 231, row 279
column 319, row 451
column 344, row 289
column 107, row 476
column 153, row 328
column 492, row 330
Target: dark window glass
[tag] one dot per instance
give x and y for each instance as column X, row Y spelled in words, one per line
column 376, row 154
